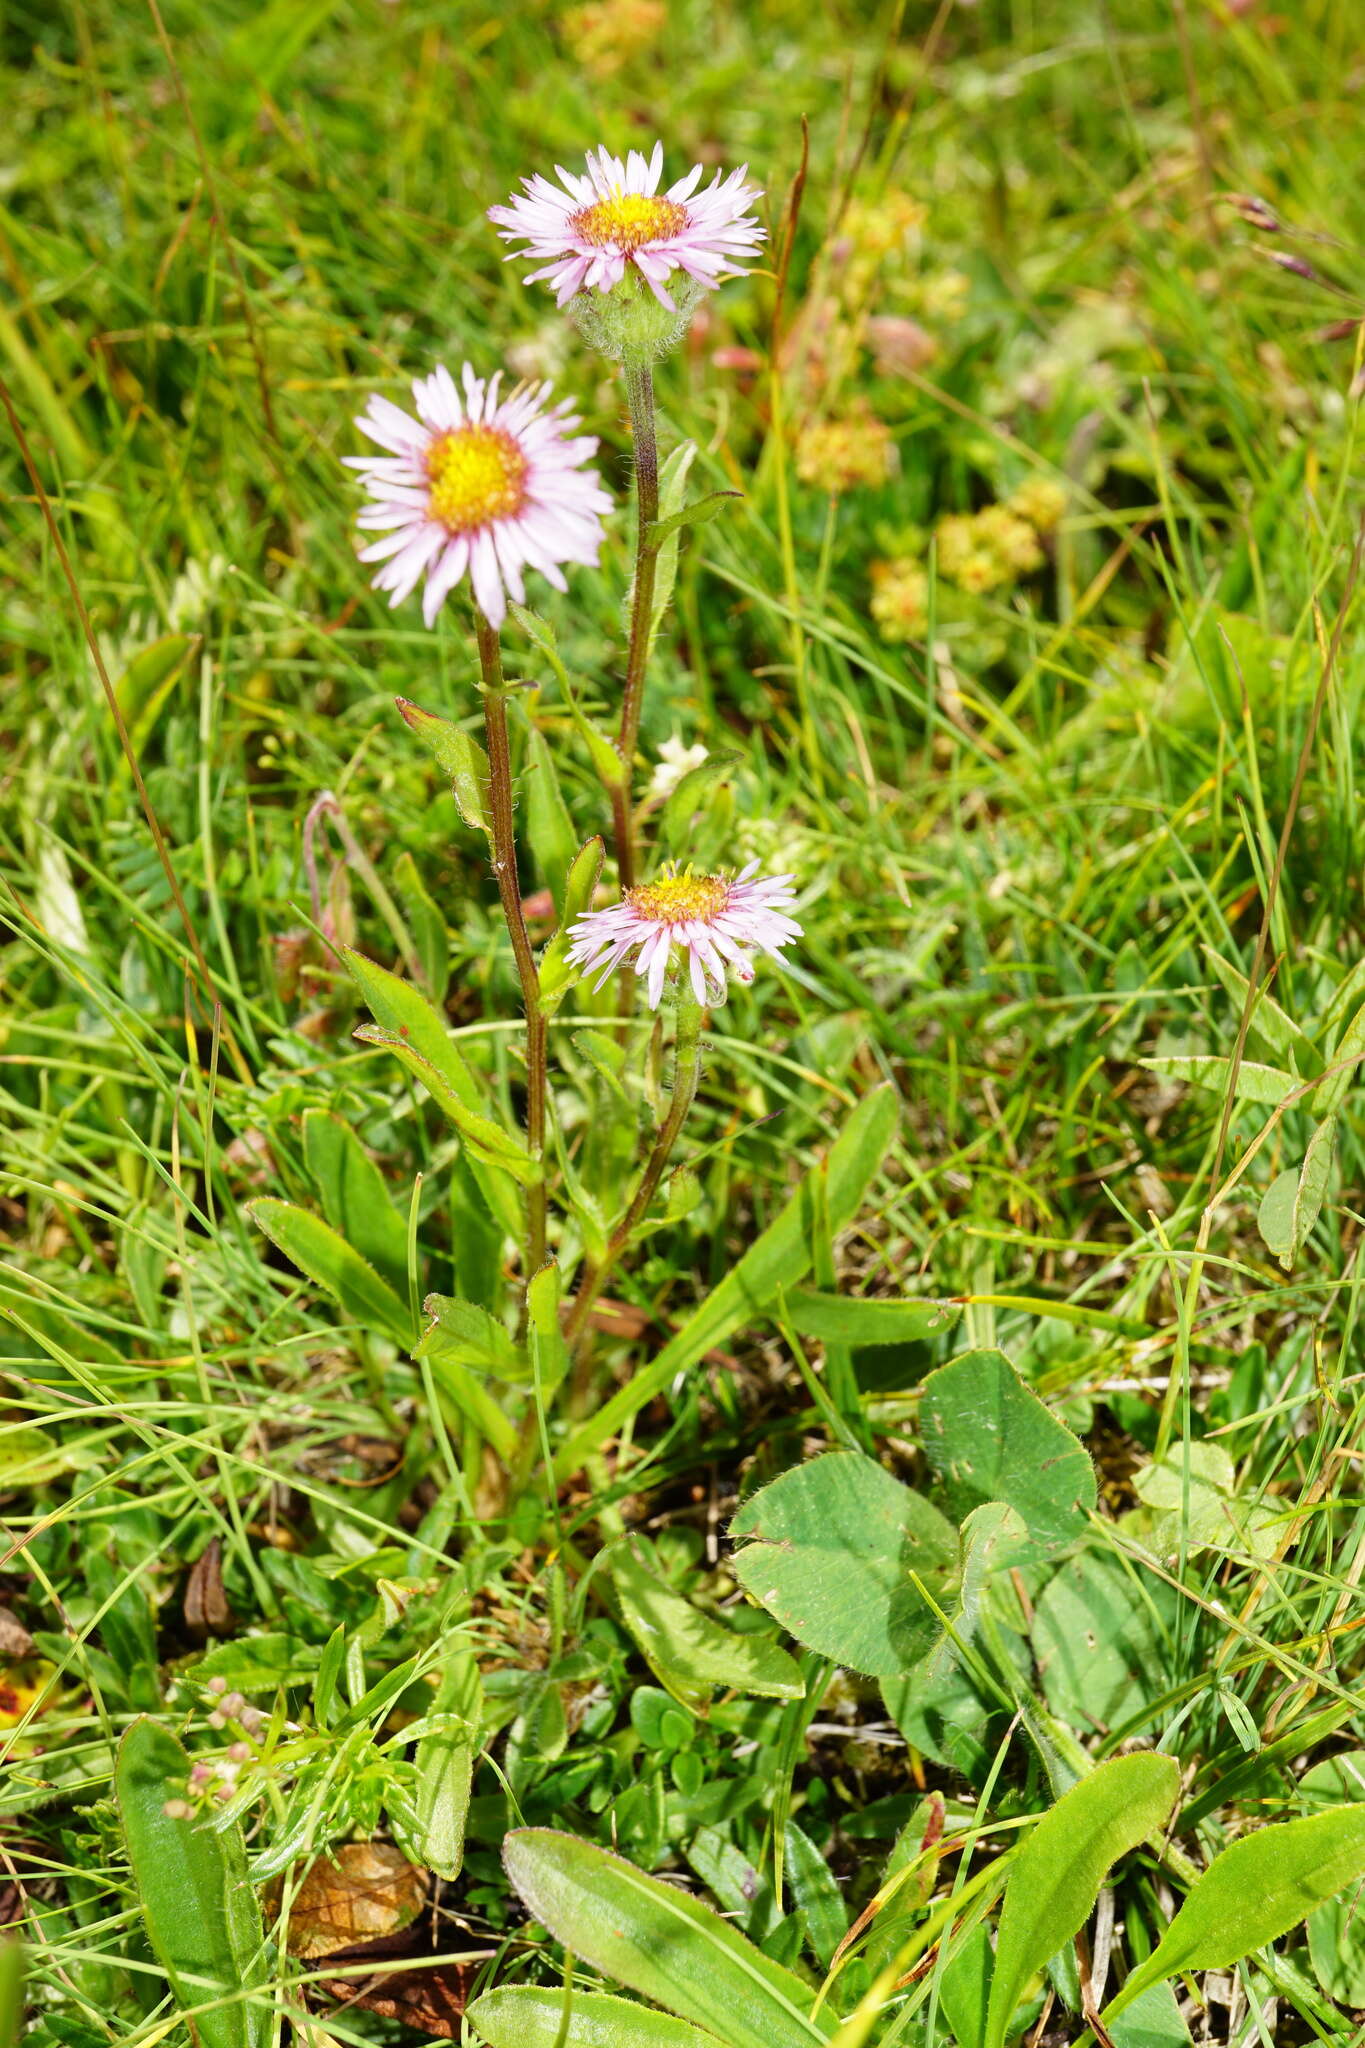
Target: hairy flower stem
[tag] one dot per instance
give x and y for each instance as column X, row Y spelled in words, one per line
column 500, row 805
column 640, row 394
column 686, row 1073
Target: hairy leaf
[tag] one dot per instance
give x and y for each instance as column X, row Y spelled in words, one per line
column 326, row 1258
column 659, row 1941
column 520, row 2016
column 1057, row 1871
column 1260, row 1887
column 192, row 1887
column 459, row 757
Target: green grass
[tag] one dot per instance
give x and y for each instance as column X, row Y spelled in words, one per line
column 1018, row 835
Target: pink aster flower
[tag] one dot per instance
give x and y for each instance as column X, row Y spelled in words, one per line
column 586, row 234
column 479, row 486
column 716, row 923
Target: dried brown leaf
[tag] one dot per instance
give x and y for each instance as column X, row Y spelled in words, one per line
column 206, row 1605
column 351, row 1894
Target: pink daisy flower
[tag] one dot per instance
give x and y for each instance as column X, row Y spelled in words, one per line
column 714, row 920
column 586, row 234
column 479, row 486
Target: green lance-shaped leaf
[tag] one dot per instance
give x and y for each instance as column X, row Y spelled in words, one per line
column 191, row 1884
column 1268, row 1021
column 522, row 2016
column 779, row 1258
column 1330, row 1092
column 544, row 1334
column 145, row 685
column 459, row 757
column 659, row 1942
column 830, row 1548
column 317, row 1250
column 1293, row 1202
column 817, row 1893
column 555, row 973
column 1255, row 1083
column 1057, row 1871
column 354, row 1195
column 403, row 1010
column 605, row 758
column 398, row 1007
column 463, row 1331
column 426, row 921
column 989, row 1437
column 858, row 1320
column 672, row 485
column 965, row 1991
column 689, row 1652
column 12, row 1991
column 444, row 1766
column 699, row 513
column 549, row 828
column 1259, row 1888
column 489, row 1143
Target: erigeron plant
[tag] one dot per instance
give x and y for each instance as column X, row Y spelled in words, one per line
column 468, row 495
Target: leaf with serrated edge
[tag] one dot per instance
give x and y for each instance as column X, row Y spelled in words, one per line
column 462, row 1330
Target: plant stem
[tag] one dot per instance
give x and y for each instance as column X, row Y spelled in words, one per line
column 686, row 1073
column 640, row 395
column 509, row 889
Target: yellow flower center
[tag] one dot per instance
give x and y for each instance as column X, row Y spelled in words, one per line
column 477, row 474
column 675, row 899
column 627, row 220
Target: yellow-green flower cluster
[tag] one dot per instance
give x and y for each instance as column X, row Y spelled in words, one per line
column 900, row 599
column 889, row 226
column 1040, row 501
column 605, row 35
column 849, row 452
column 986, row 550
column 975, row 552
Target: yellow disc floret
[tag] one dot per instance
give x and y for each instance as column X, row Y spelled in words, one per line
column 628, row 220
column 679, row 899
column 477, row 474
